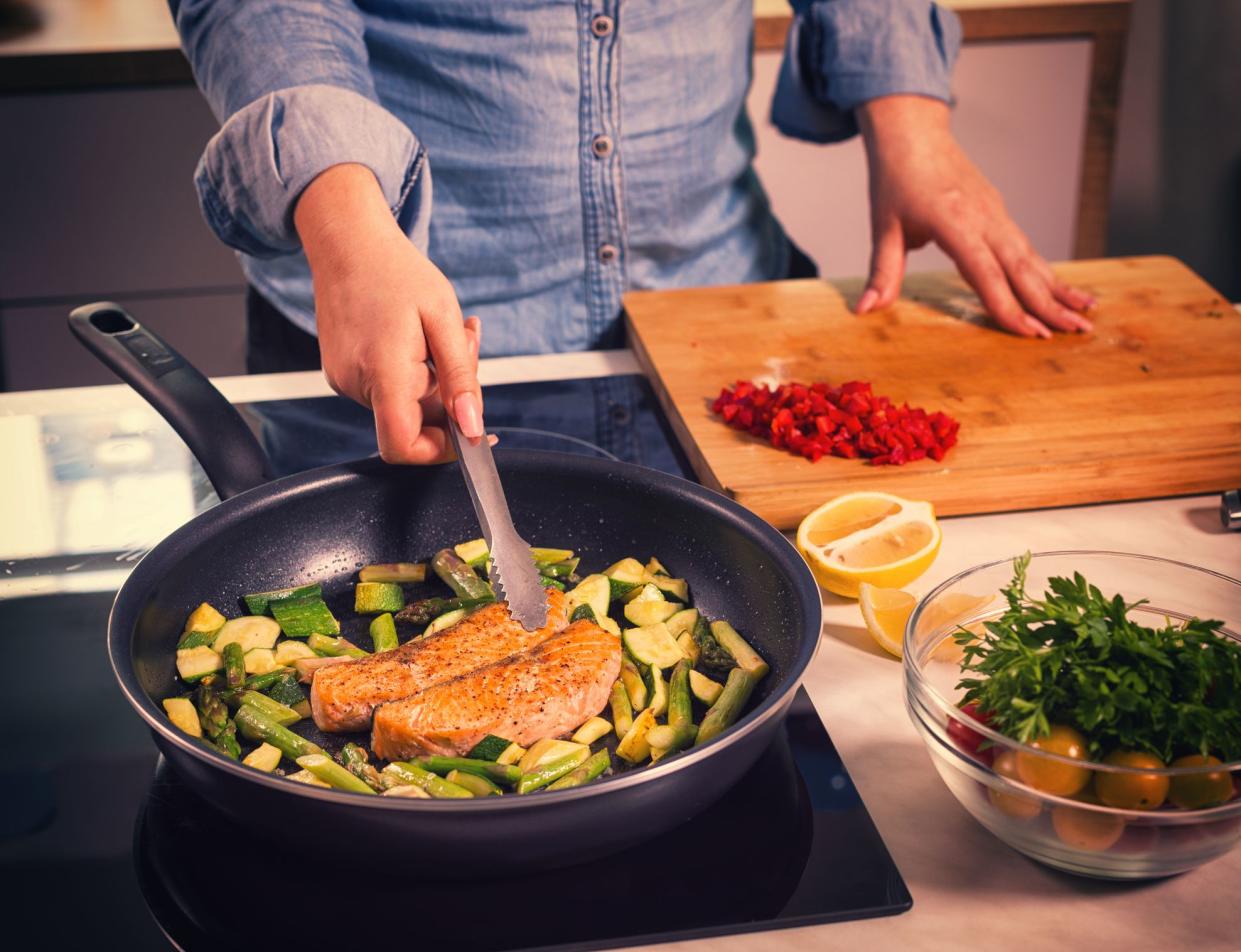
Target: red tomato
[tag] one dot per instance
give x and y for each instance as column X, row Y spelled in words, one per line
column 969, row 740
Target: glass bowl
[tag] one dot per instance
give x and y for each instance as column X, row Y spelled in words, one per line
column 1069, row 833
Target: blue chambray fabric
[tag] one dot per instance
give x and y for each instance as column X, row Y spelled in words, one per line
column 539, row 223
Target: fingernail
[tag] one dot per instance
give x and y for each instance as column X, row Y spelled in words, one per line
column 469, row 417
column 1084, row 325
column 492, row 439
column 1038, row 327
column 867, row 300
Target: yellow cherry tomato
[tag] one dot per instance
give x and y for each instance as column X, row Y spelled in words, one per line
column 1011, row 804
column 1194, row 791
column 1053, row 776
column 1085, row 829
column 1132, row 791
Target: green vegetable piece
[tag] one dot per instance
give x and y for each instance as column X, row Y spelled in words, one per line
column 383, row 633
column 194, row 664
column 583, row 612
column 543, row 556
column 403, row 573
column 680, row 701
column 657, row 691
column 327, row 647
column 261, row 682
column 226, row 742
column 555, row 583
column 459, row 576
column 404, row 772
column 257, row 726
column 727, row 709
column 624, row 577
column 183, row 715
column 489, row 748
column 622, row 709
column 212, row 711
column 330, row 772
column 500, row 773
column 473, row 553
column 280, row 713
column 372, row 598
column 631, row 677
column 479, row 786
column 587, row 771
column 540, row 777
column 713, row 660
column 258, row 602
column 285, row 690
column 746, row 657
column 201, row 627
column 425, row 610
column 302, row 616
column 559, row 569
column 234, row 665
column 355, row 760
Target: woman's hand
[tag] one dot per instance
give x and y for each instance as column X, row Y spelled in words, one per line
column 924, row 188
column 382, row 309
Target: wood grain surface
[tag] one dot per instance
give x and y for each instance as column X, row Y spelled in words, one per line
column 1148, row 405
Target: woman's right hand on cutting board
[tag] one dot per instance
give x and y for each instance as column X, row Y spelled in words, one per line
column 382, row 309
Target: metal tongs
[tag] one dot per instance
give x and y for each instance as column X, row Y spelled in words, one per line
column 513, row 573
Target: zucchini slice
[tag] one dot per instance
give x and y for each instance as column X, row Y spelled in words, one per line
column 194, row 664
column 658, row 688
column 624, row 576
column 545, row 751
column 473, row 553
column 655, row 567
column 635, row 687
column 479, row 786
column 264, row 757
column 375, row 598
column 249, row 631
column 183, row 714
column 289, row 651
column 642, row 612
column 676, row 588
column 257, row 603
column 550, row 556
column 306, row 777
column 634, row 746
column 260, row 661
column 688, row 646
column 746, row 657
column 512, row 754
column 201, row 627
column 595, row 591
column 608, row 624
column 591, row 731
column 489, row 748
column 302, row 616
column 703, row 688
column 682, row 622
column 645, row 592
column 653, row 644
column 446, row 620
column 403, row 573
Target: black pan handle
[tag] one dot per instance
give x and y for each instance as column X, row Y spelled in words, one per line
column 214, row 431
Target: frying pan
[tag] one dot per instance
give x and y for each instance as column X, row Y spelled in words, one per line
column 323, row 524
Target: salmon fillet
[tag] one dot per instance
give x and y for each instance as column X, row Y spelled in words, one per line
column 343, row 696
column 547, row 691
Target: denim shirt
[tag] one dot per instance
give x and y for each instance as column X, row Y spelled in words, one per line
column 576, row 149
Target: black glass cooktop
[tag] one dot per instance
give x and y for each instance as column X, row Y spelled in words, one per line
column 790, row 845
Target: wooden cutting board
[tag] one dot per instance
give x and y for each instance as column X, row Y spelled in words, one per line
column 1148, row 405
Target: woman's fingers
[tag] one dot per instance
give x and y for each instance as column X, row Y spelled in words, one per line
column 1032, row 280
column 456, row 369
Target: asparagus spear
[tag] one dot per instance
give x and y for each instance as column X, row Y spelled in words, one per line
column 356, row 762
column 728, row 707
column 458, row 575
column 540, row 777
column 679, row 732
column 403, row 772
column 589, row 769
column 328, row 647
column 256, row 725
column 403, row 572
column 212, row 711
column 226, row 741
column 479, row 786
column 426, row 610
column 622, row 710
column 383, row 632
column 500, row 773
column 234, row 665
column 329, row 771
column 280, row 713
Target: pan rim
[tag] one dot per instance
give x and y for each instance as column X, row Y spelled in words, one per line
column 135, row 591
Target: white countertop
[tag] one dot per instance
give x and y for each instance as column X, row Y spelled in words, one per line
column 969, row 890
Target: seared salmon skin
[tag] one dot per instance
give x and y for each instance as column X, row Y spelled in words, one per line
column 547, row 691
column 343, row 696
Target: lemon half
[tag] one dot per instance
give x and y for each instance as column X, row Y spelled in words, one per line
column 877, row 538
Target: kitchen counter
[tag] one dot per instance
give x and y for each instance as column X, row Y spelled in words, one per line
column 968, row 888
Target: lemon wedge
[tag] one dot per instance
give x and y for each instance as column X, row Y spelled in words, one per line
column 885, row 611
column 877, row 538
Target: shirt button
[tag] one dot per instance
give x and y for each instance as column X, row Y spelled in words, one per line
column 601, row 146
column 608, row 253
column 602, row 25
column 620, row 414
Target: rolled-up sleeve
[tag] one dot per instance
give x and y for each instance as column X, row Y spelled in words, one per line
column 291, row 84
column 842, row 53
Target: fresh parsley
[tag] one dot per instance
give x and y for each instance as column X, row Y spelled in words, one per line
column 1076, row 657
